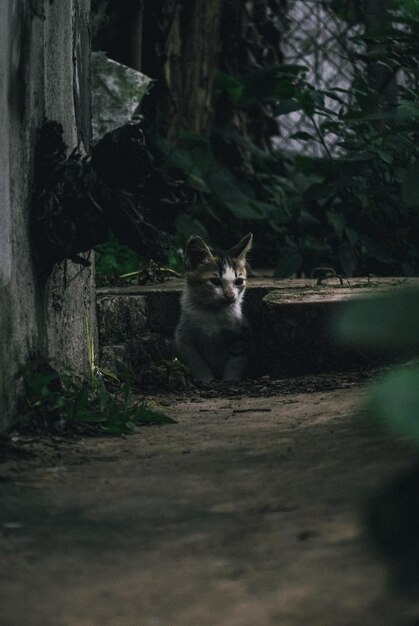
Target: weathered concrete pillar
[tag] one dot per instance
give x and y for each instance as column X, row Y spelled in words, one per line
column 44, row 72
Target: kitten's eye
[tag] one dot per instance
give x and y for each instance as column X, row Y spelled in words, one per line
column 215, row 281
column 239, row 281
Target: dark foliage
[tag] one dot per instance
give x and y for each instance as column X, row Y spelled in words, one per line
column 78, row 199
column 355, row 207
column 66, row 218
column 121, row 158
column 112, row 22
column 67, row 403
column 250, row 39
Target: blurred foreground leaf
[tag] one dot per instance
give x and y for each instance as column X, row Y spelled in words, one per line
column 395, row 401
column 384, row 323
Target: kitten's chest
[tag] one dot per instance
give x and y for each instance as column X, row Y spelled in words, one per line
column 217, row 341
column 215, row 328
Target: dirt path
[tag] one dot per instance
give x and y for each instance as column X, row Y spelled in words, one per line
column 245, row 513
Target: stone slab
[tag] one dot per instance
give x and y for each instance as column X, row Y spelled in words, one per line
column 298, row 326
column 121, row 318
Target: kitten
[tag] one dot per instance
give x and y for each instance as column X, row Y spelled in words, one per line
column 212, row 337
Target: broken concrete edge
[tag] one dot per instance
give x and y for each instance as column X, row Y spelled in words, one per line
column 270, row 284
column 291, row 321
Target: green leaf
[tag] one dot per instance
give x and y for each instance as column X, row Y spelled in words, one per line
column 269, row 83
column 302, row 136
column 287, row 105
column 186, row 226
column 90, row 417
column 333, row 96
column 227, row 188
column 319, row 191
column 57, row 402
column 143, row 415
column 359, row 117
column 276, row 214
column 284, row 89
column 337, row 221
column 375, row 249
column 116, row 430
column 395, row 402
column 384, row 155
column 231, row 85
column 410, row 186
column 352, row 236
column 308, row 103
column 80, row 402
column 246, row 143
column 357, row 157
column 103, row 396
column 383, row 323
column 288, row 264
column 127, row 396
column 407, row 110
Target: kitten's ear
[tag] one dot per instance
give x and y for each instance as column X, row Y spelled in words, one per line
column 197, row 252
column 240, row 250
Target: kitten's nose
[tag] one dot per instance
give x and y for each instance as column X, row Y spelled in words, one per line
column 229, row 293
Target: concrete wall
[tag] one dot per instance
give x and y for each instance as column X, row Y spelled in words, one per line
column 44, row 52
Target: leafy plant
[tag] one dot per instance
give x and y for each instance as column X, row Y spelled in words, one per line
column 355, row 208
column 238, row 184
column 112, row 260
column 117, row 264
column 66, row 402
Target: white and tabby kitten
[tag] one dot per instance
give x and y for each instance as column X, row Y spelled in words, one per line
column 212, row 337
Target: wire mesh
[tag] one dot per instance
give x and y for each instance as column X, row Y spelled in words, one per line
column 319, row 40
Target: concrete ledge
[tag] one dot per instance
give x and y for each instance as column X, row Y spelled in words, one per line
column 298, row 326
column 291, row 319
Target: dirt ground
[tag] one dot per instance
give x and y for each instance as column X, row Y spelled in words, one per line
column 244, row 513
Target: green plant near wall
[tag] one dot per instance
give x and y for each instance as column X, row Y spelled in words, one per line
column 112, row 260
column 67, row 402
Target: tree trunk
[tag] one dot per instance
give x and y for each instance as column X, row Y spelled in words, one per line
column 192, row 43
